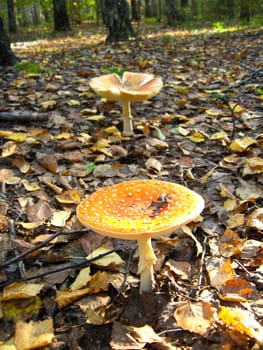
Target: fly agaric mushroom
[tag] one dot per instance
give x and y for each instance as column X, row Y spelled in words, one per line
column 139, row 210
column 131, row 87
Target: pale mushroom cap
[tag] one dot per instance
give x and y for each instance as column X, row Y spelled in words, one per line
column 133, row 209
column 131, row 87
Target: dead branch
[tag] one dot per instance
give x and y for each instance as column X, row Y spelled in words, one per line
column 16, row 116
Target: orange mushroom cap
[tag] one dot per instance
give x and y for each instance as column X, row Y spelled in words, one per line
column 131, row 86
column 138, row 208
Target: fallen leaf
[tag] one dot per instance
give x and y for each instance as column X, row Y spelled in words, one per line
column 196, row 317
column 21, row 290
column 33, row 335
column 242, row 321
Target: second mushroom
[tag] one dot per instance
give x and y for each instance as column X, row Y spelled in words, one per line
column 131, row 87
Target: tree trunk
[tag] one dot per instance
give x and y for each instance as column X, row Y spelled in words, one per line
column 244, row 11
column 231, row 8
column 61, row 21
column 7, row 57
column 184, row 3
column 171, row 12
column 194, row 7
column 147, row 9
column 136, row 10
column 116, row 17
column 12, row 27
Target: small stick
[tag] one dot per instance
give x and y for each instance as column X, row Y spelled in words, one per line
column 40, row 245
column 20, row 264
column 84, row 262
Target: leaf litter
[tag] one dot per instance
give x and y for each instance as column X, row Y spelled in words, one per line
column 61, row 142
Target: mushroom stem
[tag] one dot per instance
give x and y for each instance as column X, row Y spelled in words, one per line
column 147, row 259
column 127, row 118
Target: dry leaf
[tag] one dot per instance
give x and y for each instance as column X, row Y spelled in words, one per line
column 71, row 196
column 33, row 335
column 21, row 290
column 219, row 271
column 40, row 211
column 82, row 279
column 196, row 317
column 255, row 219
column 242, row 321
column 241, row 145
column 252, row 166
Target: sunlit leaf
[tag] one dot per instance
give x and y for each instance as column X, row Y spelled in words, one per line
column 60, row 218
column 96, row 118
column 82, row 279
column 112, row 259
column 69, row 197
column 33, row 334
column 21, row 290
column 241, row 145
column 253, row 165
column 196, row 317
column 242, row 321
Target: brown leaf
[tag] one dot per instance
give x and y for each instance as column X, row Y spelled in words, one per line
column 197, row 317
column 41, row 211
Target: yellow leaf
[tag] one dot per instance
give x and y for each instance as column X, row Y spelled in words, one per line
column 221, row 135
column 236, row 108
column 240, row 145
column 110, row 259
column 96, row 117
column 112, row 130
column 73, row 103
column 21, row 290
column 82, row 279
column 50, row 104
column 69, row 197
column 182, row 90
column 231, row 204
column 18, row 136
column 64, row 136
column 253, row 165
column 242, row 321
column 205, row 177
column 33, row 335
column 33, row 186
column 213, row 112
column 197, row 137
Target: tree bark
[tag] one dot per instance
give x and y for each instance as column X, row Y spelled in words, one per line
column 116, row 17
column 171, row 12
column 61, row 20
column 244, row 11
column 7, row 57
column 136, row 10
column 12, row 27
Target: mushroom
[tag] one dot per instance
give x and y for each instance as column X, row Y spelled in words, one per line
column 131, row 87
column 139, row 210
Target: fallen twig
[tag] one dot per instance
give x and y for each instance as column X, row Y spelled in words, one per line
column 16, row 116
column 40, row 245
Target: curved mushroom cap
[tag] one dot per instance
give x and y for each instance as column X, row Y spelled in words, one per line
column 138, row 208
column 131, row 87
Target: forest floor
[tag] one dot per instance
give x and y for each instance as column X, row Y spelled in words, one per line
column 60, row 142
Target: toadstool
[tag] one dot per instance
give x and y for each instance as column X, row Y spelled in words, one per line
column 139, row 210
column 131, row 87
